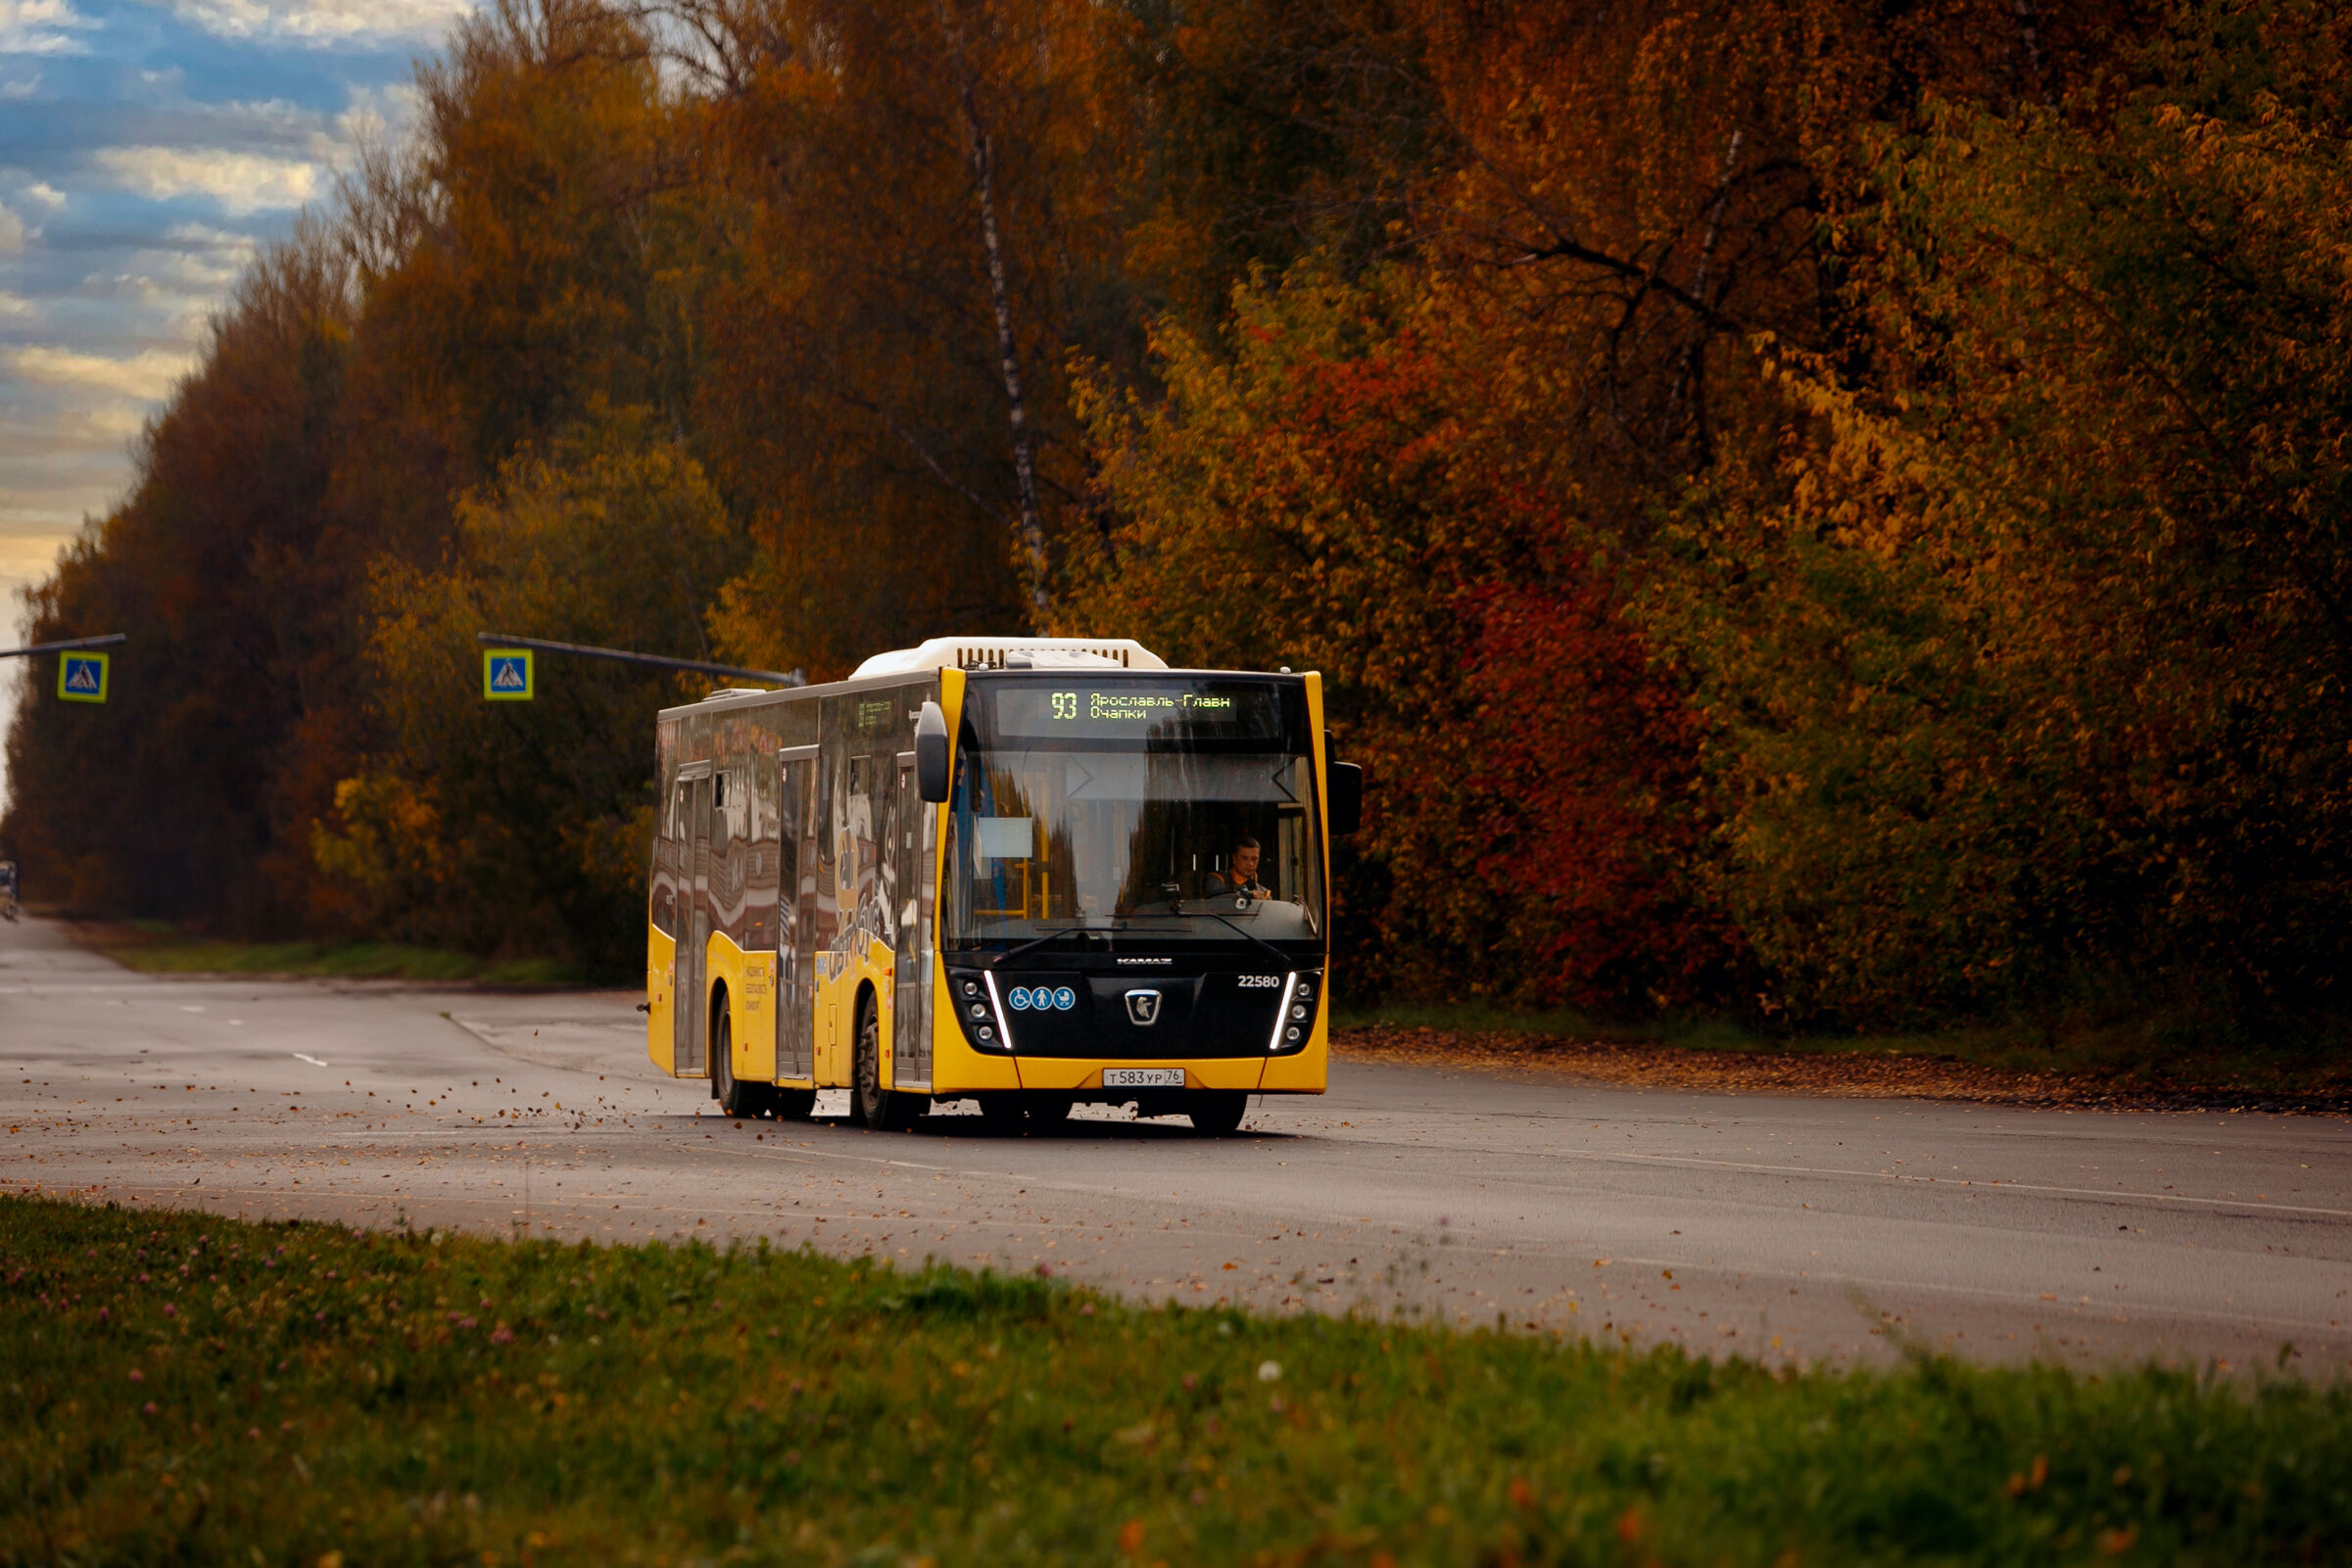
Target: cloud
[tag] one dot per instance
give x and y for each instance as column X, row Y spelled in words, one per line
column 48, row 195
column 177, row 285
column 65, row 454
column 27, row 556
column 321, row 23
column 240, row 247
column 11, row 232
column 14, row 304
column 242, row 182
column 148, row 374
column 386, row 115
column 41, row 28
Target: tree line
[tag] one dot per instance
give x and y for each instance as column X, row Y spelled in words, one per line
column 1826, row 510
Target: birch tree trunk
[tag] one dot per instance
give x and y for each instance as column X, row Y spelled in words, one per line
column 1030, row 539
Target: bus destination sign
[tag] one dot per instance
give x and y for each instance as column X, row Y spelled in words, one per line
column 1130, row 711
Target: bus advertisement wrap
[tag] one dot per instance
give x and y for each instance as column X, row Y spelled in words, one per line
column 1121, row 901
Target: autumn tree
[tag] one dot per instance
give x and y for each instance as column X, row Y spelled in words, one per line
column 2024, row 659
column 179, row 796
column 524, row 828
column 1333, row 486
column 1819, row 506
column 927, row 200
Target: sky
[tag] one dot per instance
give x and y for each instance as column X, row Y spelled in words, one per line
column 147, row 152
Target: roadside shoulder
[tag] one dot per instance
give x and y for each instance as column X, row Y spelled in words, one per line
column 1844, row 1074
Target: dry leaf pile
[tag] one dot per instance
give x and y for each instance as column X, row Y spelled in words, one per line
column 1651, row 1064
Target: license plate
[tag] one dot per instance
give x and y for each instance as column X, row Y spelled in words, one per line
column 1144, row 1078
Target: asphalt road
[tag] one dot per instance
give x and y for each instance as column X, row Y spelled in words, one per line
column 1772, row 1227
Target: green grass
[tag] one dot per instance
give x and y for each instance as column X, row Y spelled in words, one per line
column 193, row 1390
column 158, row 948
column 2151, row 1052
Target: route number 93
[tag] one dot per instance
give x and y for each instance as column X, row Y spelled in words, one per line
column 1065, row 704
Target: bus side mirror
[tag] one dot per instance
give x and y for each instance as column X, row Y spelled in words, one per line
column 930, row 754
column 1347, row 796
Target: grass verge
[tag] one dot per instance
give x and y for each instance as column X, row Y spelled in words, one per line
column 158, row 948
column 189, row 1389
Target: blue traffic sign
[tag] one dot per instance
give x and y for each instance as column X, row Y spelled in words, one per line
column 507, row 675
column 82, row 677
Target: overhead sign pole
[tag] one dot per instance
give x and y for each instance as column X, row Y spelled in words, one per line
column 82, row 677
column 508, row 660
column 108, row 640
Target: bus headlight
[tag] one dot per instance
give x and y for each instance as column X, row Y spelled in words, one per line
column 979, row 1009
column 1294, row 1016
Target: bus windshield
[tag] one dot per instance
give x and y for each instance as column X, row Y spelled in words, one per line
column 1149, row 809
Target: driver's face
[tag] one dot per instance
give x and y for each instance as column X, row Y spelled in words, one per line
column 1245, row 863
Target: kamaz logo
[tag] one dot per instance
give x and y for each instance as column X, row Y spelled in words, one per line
column 1143, row 1008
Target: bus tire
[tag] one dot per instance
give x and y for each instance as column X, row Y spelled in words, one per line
column 735, row 1097
column 870, row 1104
column 1217, row 1113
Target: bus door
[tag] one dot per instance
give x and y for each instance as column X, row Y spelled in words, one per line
column 910, row 939
column 691, row 996
column 796, row 914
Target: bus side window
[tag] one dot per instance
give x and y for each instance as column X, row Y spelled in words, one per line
column 767, row 778
column 735, row 806
column 827, row 792
column 670, row 861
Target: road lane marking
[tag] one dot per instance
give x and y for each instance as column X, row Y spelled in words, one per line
column 313, row 1061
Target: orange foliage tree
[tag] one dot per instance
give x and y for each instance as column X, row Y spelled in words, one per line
column 228, row 722
column 1336, row 490
column 2023, row 653
column 1815, row 500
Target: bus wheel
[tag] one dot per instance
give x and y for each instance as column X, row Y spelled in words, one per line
column 1217, row 1112
column 736, row 1099
column 870, row 1104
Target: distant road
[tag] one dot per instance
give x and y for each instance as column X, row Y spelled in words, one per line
column 1767, row 1227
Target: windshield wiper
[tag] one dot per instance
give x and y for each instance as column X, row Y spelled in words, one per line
column 1041, row 941
column 1282, row 956
column 1210, row 914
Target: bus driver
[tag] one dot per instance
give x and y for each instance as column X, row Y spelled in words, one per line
column 1240, row 879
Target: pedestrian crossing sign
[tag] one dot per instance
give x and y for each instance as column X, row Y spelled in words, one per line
column 82, row 677
column 507, row 675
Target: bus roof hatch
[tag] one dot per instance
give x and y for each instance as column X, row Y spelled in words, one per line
column 1013, row 652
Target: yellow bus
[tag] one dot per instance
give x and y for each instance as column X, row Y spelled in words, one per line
column 1030, row 873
